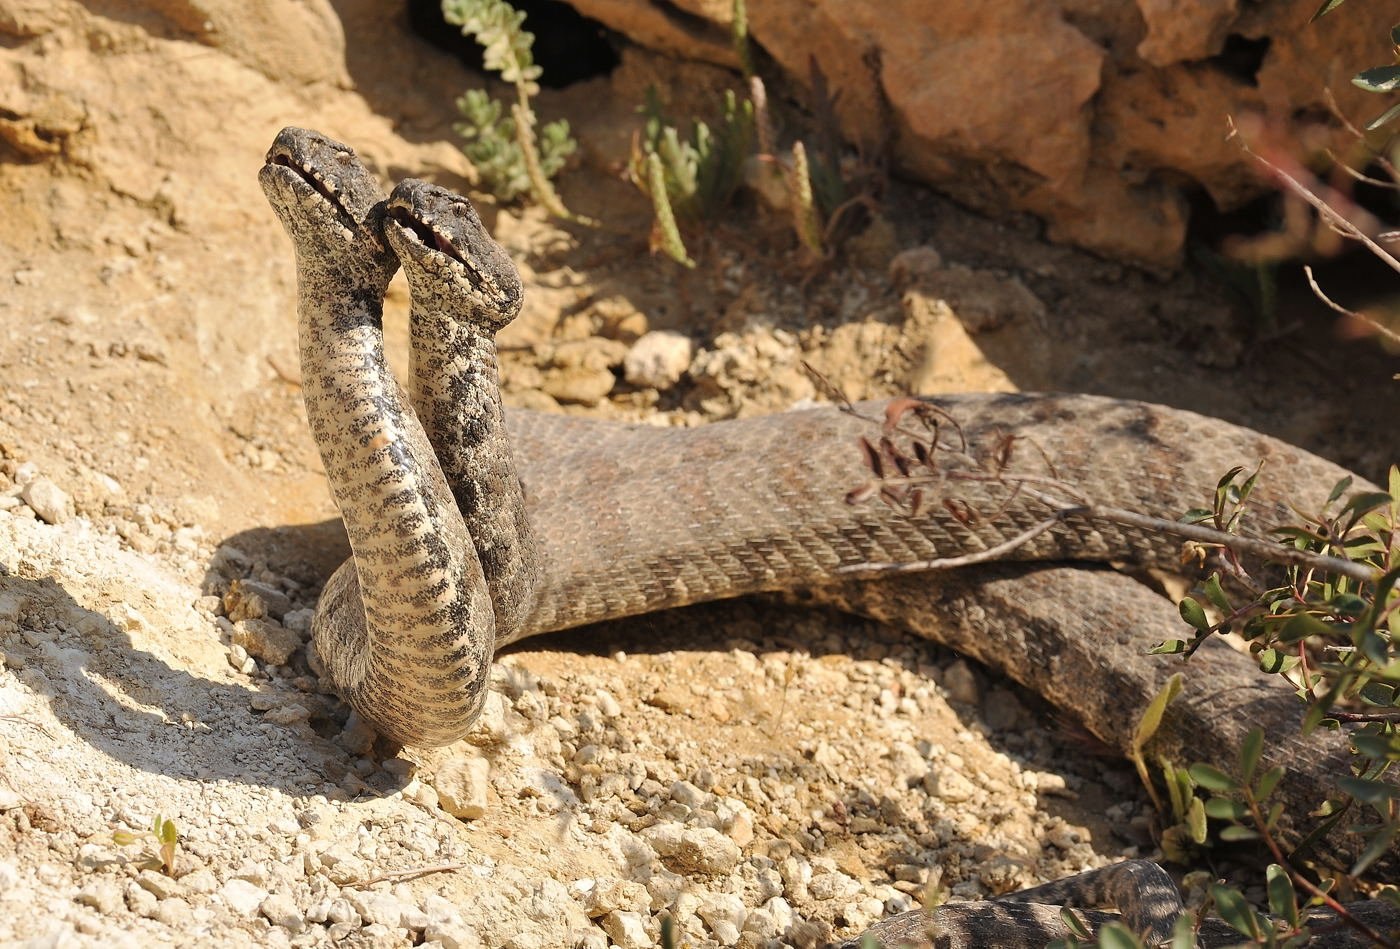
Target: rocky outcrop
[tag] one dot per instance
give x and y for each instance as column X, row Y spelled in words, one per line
column 1102, row 118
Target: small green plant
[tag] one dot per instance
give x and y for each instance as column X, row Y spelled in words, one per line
column 690, row 178
column 804, row 208
column 700, row 173
column 166, row 836
column 510, row 156
column 811, row 207
column 1332, row 636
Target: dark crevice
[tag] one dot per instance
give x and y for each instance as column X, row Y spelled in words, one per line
column 1210, row 226
column 568, row 48
column 1242, row 58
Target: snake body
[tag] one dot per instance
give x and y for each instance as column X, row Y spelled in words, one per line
column 475, row 527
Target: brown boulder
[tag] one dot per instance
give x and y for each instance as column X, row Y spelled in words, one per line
column 1100, row 118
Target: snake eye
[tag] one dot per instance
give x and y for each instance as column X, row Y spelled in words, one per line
column 460, row 208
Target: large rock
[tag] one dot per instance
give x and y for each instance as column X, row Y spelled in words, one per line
column 1100, row 117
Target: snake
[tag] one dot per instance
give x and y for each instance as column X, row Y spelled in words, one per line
column 472, row 526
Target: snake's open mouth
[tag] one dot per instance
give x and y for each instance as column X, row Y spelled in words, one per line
column 311, row 176
column 426, row 234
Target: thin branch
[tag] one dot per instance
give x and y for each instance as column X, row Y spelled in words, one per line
column 1263, row 549
column 1370, row 321
column 398, row 876
column 1376, row 156
column 24, row 721
column 862, row 570
column 1323, row 208
column 1362, row 177
column 1363, row 716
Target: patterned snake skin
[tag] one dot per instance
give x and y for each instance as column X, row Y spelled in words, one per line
column 452, row 559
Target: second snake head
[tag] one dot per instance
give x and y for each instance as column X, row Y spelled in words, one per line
column 448, row 255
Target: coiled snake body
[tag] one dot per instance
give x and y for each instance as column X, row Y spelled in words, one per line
column 451, row 559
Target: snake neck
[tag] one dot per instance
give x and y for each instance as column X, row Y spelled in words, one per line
column 412, row 605
column 454, row 387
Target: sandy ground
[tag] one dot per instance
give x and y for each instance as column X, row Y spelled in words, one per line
column 763, row 774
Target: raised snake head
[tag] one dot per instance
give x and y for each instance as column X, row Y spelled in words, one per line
column 330, row 205
column 450, row 257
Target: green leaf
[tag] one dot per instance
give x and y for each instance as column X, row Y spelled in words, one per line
column 1301, row 536
column 1300, row 627
column 1378, row 694
column 1283, row 901
column 1379, row 79
column 1215, row 594
column 1341, row 486
column 1348, row 604
column 1327, row 7
column 124, row 838
column 1316, row 715
column 1375, row 793
column 1179, row 787
column 1268, row 781
column 1378, row 746
column 1273, row 662
column 1212, row 778
column 1226, row 479
column 1118, row 936
column 1074, row 924
column 1183, row 933
column 1250, row 751
column 1247, row 488
column 1169, row 647
column 1151, row 718
column 1192, row 612
column 1196, row 820
column 1236, row 912
column 1222, row 808
column 1364, row 501
column 1236, row 833
column 1379, row 844
column 1374, row 646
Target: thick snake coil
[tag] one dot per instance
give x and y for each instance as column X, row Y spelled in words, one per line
column 451, row 559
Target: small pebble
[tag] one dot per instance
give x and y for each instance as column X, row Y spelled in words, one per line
column 243, row 897
column 105, row 896
column 461, row 783
column 139, row 901
column 658, row 359
column 693, row 849
column 271, row 642
column 627, row 930
column 47, row 500
column 281, row 910
column 961, row 684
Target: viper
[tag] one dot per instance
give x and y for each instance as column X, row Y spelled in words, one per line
column 472, row 527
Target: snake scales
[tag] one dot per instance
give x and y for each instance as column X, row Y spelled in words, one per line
column 452, row 559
